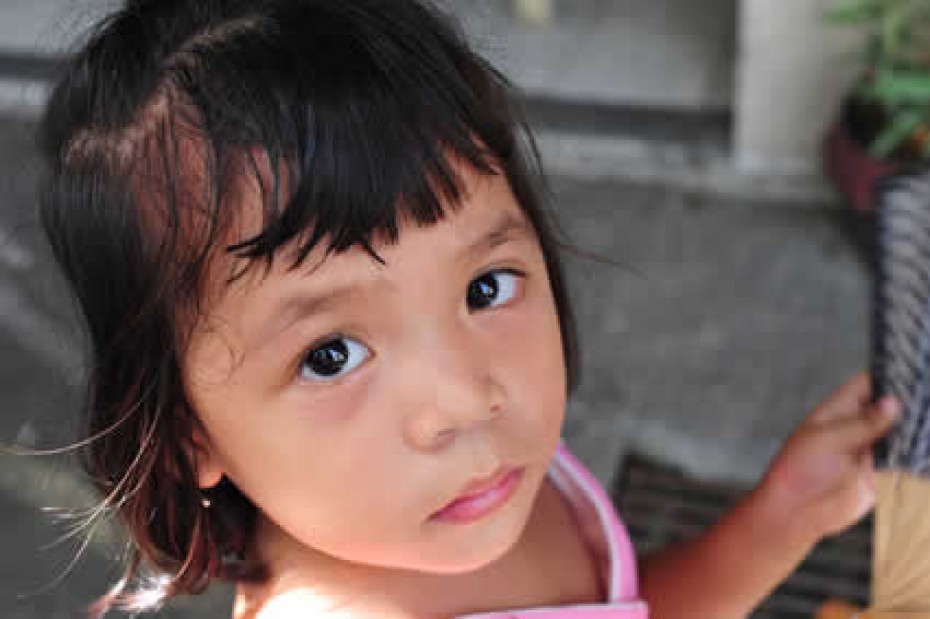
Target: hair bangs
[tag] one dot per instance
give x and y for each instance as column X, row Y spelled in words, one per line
column 380, row 136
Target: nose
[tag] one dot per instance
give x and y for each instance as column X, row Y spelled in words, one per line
column 450, row 387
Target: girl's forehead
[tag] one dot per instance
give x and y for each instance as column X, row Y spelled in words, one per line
column 486, row 215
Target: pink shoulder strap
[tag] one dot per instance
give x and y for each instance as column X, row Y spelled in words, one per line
column 577, row 483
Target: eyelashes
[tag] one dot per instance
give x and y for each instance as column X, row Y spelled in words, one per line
column 331, row 360
column 341, row 354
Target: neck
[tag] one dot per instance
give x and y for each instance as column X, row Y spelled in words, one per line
column 310, row 583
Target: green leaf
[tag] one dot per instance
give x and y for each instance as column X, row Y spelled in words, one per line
column 897, row 87
column 894, row 28
column 856, row 12
column 900, row 129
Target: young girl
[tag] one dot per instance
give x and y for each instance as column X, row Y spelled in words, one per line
column 331, row 341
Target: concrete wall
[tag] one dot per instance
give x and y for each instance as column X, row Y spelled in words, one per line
column 46, row 26
column 792, row 72
column 669, row 53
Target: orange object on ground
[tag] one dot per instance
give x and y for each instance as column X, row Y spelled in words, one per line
column 838, row 609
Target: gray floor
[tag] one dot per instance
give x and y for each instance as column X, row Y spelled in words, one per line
column 733, row 320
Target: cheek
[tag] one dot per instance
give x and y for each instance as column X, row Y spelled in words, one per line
column 531, row 365
column 316, row 476
column 547, row 364
column 318, row 487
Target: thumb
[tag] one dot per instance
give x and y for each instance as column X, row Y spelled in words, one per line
column 859, row 433
column 866, row 483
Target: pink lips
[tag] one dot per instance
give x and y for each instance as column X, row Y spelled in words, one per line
column 480, row 498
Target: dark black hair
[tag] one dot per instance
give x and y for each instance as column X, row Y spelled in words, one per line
column 348, row 113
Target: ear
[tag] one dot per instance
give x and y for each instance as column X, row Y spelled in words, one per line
column 207, row 466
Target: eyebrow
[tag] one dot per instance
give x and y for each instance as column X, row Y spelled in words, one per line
column 509, row 226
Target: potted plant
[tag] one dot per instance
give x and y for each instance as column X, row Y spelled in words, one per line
column 884, row 124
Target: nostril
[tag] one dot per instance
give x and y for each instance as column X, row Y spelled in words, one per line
column 443, row 438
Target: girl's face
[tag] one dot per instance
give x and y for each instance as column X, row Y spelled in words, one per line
column 351, row 401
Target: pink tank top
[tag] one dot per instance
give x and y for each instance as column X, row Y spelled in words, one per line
column 608, row 539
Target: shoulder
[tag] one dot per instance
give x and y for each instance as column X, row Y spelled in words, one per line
column 337, row 598
column 309, row 604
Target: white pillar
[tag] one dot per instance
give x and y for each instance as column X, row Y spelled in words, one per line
column 793, row 70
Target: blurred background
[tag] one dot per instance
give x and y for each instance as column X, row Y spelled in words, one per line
column 683, row 141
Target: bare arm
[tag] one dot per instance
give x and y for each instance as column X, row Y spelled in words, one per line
column 727, row 571
column 821, row 482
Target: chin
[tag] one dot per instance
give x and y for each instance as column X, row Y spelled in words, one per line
column 473, row 550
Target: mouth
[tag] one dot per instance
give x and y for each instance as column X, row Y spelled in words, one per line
column 481, row 497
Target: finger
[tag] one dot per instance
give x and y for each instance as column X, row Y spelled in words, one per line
column 850, row 501
column 860, row 432
column 866, row 482
column 867, row 464
column 859, row 491
column 866, row 494
column 845, row 402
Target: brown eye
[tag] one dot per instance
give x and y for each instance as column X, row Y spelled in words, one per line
column 492, row 288
column 332, row 359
